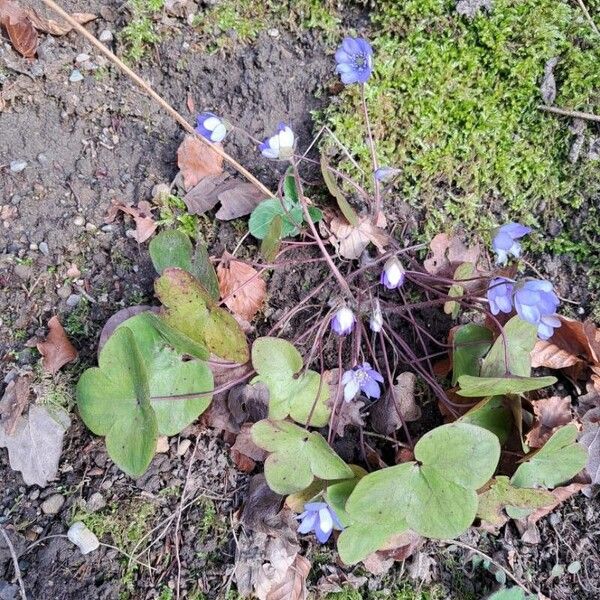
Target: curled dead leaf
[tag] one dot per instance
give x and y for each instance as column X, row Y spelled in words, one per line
column 197, row 160
column 20, row 29
column 14, row 401
column 346, row 413
column 447, row 253
column 242, row 289
column 244, row 452
column 387, row 411
column 145, row 225
column 54, row 27
column 551, row 413
column 56, row 349
column 350, row 240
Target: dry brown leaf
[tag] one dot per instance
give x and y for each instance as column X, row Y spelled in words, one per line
column 238, row 201
column 350, row 241
column 338, row 581
column 262, row 511
column 551, row 413
column 145, row 225
column 197, row 160
column 547, row 354
column 54, row 27
column 20, row 30
column 448, row 252
column 242, row 289
column 191, row 105
column 248, row 403
column 560, row 494
column 245, row 453
column 14, row 401
column 397, row 548
column 385, row 414
column 56, row 349
column 205, row 195
column 346, row 413
column 293, row 586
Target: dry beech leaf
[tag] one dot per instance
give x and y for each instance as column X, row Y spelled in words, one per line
column 197, row 160
column 293, row 585
column 14, row 401
column 145, row 225
column 242, row 289
column 346, row 413
column 350, row 241
column 385, row 414
column 20, row 30
column 238, row 201
column 205, row 194
column 551, row 413
column 547, row 354
column 448, row 252
column 56, row 349
column 54, row 27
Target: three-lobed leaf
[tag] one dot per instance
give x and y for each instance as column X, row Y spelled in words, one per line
column 478, row 387
column 299, row 396
column 297, row 456
column 470, row 344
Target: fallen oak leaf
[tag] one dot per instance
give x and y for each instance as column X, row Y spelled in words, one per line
column 551, row 413
column 54, row 27
column 14, row 401
column 196, row 160
column 56, row 349
column 351, row 240
column 242, row 289
column 145, row 225
column 448, row 252
column 20, row 30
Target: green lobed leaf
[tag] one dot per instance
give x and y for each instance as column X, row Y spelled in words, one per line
column 435, row 497
column 190, row 310
column 491, row 414
column 173, row 248
column 263, row 215
column 297, row 456
column 290, row 191
column 272, row 241
column 470, row 344
column 513, row 593
column 278, row 363
column 557, row 461
column 114, row 401
column 520, row 337
column 478, row 387
column 502, row 494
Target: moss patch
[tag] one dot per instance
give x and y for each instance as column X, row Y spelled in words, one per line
column 453, row 104
column 140, row 34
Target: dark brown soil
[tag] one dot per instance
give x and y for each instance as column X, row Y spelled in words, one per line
column 89, row 142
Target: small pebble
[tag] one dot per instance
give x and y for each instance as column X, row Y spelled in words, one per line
column 33, row 246
column 81, row 58
column 90, row 227
column 184, row 446
column 96, row 502
column 34, row 495
column 44, row 248
column 73, row 300
column 43, row 160
column 76, row 76
column 106, row 36
column 64, row 291
column 162, row 444
column 79, row 220
column 53, row 504
column 83, row 538
column 273, row 32
column 107, row 228
column 16, row 166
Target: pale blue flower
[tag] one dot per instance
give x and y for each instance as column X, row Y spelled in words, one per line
column 536, row 302
column 500, row 295
column 385, row 174
column 320, row 518
column 280, row 145
column 343, row 321
column 362, row 378
column 211, row 127
column 354, row 60
column 505, row 242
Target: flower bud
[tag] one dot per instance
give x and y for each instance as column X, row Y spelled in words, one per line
column 392, row 276
column 343, row 321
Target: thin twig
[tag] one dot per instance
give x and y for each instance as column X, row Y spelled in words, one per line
column 588, row 16
column 570, row 113
column 159, row 99
column 15, row 561
column 487, row 557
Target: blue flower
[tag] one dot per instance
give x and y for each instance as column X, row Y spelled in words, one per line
column 500, row 295
column 363, row 378
column 320, row 518
column 393, row 275
column 536, row 302
column 211, row 127
column 505, row 241
column 384, row 174
column 279, row 146
column 354, row 60
column 343, row 321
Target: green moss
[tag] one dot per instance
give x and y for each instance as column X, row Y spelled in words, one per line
column 173, row 212
column 453, row 104
column 140, row 33
column 404, row 592
column 77, row 322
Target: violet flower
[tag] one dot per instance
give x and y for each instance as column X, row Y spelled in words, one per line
column 536, row 302
column 364, row 378
column 505, row 241
column 385, row 174
column 393, row 275
column 211, row 127
column 320, row 518
column 343, row 321
column 500, row 295
column 354, row 60
column 280, row 145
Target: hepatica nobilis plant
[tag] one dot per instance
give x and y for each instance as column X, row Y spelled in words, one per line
column 346, row 370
